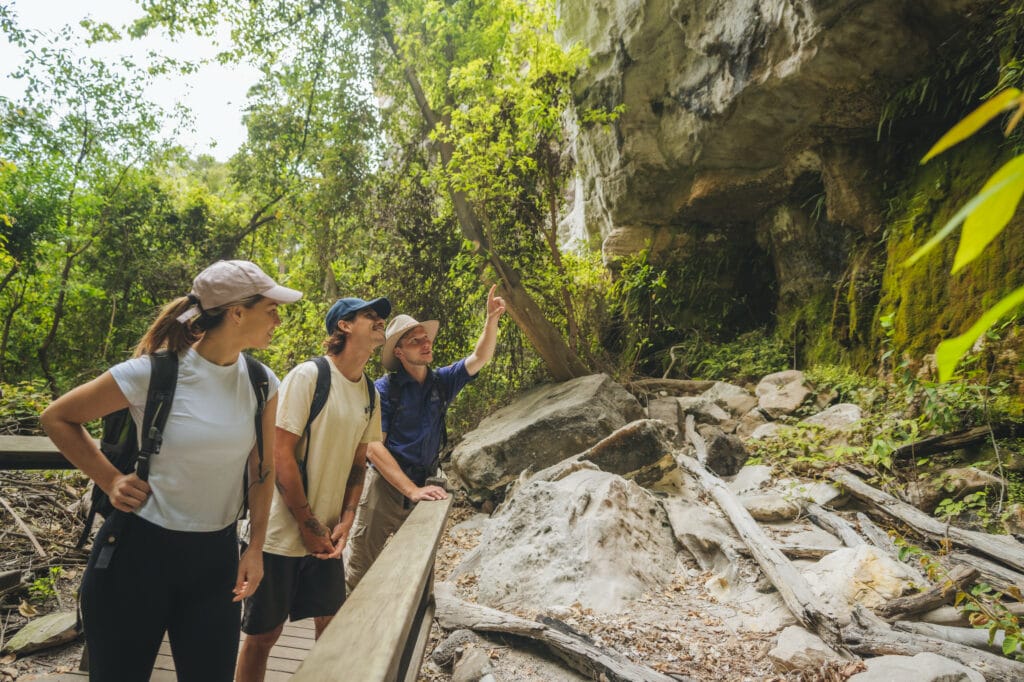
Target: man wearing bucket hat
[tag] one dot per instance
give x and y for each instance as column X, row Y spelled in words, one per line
column 314, row 507
column 414, row 400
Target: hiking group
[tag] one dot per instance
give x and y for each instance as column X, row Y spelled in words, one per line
column 197, row 433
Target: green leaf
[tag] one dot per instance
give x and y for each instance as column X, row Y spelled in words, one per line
column 992, row 215
column 980, row 198
column 1009, row 645
column 949, row 352
column 973, row 121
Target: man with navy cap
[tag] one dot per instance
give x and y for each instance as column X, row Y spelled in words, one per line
column 313, row 510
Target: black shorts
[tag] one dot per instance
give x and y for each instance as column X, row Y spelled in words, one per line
column 295, row 588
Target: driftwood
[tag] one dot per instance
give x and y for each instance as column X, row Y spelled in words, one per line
column 24, row 528
column 972, row 637
column 873, row 640
column 876, row 536
column 999, row 577
column 957, row 440
column 671, row 386
column 959, row 579
column 593, row 661
column 1002, row 548
column 792, row 586
column 697, row 440
column 797, row 551
column 833, row 523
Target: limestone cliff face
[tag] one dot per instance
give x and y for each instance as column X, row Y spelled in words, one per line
column 747, row 121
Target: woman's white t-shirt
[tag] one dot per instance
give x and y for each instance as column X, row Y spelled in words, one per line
column 196, row 480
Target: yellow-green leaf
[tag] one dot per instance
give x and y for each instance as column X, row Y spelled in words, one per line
column 961, row 215
column 949, row 352
column 990, row 217
column 973, row 121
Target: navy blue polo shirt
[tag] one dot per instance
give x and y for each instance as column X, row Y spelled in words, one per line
column 414, row 425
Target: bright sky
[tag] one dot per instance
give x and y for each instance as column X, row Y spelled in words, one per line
column 216, row 94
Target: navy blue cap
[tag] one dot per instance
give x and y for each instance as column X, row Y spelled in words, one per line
column 344, row 307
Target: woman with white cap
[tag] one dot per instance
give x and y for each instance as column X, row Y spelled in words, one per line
column 176, row 568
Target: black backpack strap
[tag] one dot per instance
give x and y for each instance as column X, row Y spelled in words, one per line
column 316, row 406
column 163, row 379
column 371, row 394
column 261, row 389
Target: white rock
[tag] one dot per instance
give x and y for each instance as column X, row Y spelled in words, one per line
column 770, row 507
column 798, row 649
column 591, row 537
column 750, row 478
column 857, row 575
column 769, row 430
column 924, row 667
column 839, row 417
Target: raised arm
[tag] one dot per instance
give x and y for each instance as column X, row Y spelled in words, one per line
column 63, row 420
column 485, row 345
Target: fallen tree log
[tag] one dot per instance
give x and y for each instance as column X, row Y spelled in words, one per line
column 1002, row 578
column 833, row 523
column 958, row 580
column 876, row 536
column 798, row 551
column 579, row 653
column 1002, row 548
column 670, row 386
column 956, row 440
column 792, row 586
column 873, row 640
column 972, row 637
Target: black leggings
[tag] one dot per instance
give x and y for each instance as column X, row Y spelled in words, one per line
column 161, row 581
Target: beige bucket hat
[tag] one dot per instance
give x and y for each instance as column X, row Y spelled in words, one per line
column 399, row 325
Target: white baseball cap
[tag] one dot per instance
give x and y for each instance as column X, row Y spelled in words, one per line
column 231, row 281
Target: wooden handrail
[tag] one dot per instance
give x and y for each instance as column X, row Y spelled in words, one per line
column 30, row 452
column 379, row 633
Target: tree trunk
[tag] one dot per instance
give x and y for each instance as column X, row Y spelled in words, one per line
column 561, row 361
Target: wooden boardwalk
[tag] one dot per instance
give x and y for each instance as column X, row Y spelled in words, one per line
column 285, row 657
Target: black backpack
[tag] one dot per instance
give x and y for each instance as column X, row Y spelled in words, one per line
column 316, row 406
column 119, row 444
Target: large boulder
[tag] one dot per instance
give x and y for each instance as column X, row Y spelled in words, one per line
column 780, row 394
column 543, row 427
column 591, row 537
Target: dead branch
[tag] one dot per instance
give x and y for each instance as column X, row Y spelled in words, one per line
column 1004, row 549
column 937, row 595
column 24, row 527
column 957, row 439
column 589, row 659
column 833, row 523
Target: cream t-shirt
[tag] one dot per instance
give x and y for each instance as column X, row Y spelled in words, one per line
column 338, row 430
column 196, row 479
